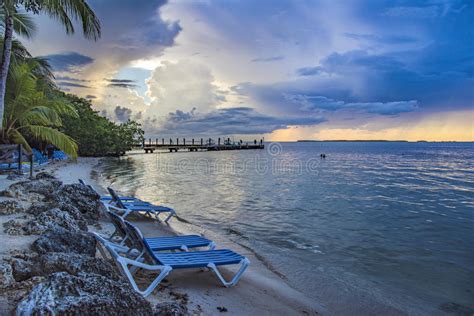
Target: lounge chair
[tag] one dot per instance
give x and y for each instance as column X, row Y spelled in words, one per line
column 139, row 206
column 106, row 198
column 166, row 262
column 182, row 242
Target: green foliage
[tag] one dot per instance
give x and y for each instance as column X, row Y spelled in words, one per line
column 95, row 134
column 66, row 12
column 32, row 112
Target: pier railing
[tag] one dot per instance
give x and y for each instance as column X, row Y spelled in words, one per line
column 173, row 145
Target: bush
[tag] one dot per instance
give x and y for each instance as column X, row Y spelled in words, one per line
column 97, row 135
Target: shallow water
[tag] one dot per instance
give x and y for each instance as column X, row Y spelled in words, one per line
column 373, row 222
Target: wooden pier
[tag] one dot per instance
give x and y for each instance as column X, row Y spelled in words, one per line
column 200, row 145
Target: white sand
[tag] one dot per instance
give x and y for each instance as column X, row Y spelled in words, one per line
column 259, row 292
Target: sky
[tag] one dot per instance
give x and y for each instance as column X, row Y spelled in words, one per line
column 283, row 70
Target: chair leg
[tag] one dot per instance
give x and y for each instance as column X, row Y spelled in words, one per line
column 172, row 213
column 244, row 264
column 164, row 271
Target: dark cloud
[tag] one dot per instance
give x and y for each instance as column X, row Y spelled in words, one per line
column 308, row 71
column 120, row 80
column 388, row 39
column 68, row 61
column 229, row 121
column 311, row 103
column 66, row 78
column 142, row 30
column 267, row 59
column 71, row 84
column 90, row 96
column 122, row 114
column 122, row 85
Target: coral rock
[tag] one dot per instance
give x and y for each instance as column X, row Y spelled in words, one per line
column 85, row 294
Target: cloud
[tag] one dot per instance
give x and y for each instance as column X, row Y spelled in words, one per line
column 184, row 85
column 121, row 85
column 70, row 61
column 71, row 84
column 122, row 114
column 382, row 39
column 308, row 71
column 120, row 80
column 67, row 78
column 90, row 96
column 227, row 121
column 311, row 103
column 267, row 59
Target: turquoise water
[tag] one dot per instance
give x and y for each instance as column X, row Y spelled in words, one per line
column 388, row 223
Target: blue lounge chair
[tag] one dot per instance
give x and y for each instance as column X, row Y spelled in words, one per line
column 140, row 206
column 166, row 262
column 107, row 198
column 182, row 242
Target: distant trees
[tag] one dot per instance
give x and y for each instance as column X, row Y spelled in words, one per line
column 95, row 134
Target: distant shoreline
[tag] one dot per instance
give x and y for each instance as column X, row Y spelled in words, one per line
column 377, row 141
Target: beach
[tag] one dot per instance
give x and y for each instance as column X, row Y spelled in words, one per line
column 260, row 291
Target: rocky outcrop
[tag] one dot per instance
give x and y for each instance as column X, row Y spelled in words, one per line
column 82, row 197
column 61, row 275
column 61, row 240
column 9, row 207
column 39, row 208
column 75, row 264
column 48, row 220
column 45, row 175
column 84, row 294
column 16, row 226
column 32, row 190
column 26, row 267
column 6, row 275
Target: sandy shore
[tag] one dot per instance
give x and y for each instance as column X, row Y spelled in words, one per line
column 260, row 291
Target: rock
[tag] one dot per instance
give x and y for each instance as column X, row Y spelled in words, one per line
column 51, row 219
column 16, row 177
column 29, row 189
column 15, row 293
column 82, row 197
column 9, row 207
column 85, row 294
column 171, row 309
column 6, row 275
column 61, row 240
column 44, row 175
column 39, row 208
column 76, row 263
column 28, row 267
column 15, row 226
column 23, row 269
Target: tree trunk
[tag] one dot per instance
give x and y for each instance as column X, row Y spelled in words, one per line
column 5, row 62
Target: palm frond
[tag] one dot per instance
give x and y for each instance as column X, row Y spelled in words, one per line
column 55, row 137
column 41, row 115
column 17, row 138
column 65, row 11
column 24, row 25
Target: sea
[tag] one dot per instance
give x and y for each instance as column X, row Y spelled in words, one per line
column 372, row 228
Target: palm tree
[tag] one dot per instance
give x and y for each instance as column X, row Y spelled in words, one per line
column 65, row 11
column 31, row 112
